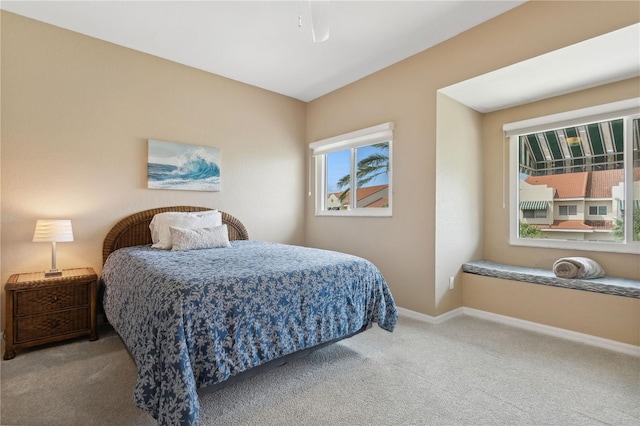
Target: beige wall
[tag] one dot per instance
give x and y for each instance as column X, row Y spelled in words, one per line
column 602, row 315
column 76, row 116
column 496, row 244
column 404, row 246
column 458, row 197
column 611, row 317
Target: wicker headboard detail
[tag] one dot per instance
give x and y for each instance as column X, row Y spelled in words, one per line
column 134, row 230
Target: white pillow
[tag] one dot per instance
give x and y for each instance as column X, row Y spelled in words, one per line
column 199, row 238
column 159, row 226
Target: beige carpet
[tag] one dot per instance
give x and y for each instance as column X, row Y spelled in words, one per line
column 465, row 371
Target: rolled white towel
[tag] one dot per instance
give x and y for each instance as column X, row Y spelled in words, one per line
column 577, row 267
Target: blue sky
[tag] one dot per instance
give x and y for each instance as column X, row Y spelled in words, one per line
column 338, row 166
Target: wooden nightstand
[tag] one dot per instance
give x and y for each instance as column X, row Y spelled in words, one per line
column 44, row 310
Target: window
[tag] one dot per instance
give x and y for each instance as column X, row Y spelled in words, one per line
column 534, row 214
column 597, row 210
column 353, row 173
column 585, row 166
column 569, row 210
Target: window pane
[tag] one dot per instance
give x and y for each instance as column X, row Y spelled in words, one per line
column 338, row 179
column 353, row 173
column 578, row 172
column 372, row 172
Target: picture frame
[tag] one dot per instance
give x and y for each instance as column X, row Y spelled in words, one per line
column 180, row 166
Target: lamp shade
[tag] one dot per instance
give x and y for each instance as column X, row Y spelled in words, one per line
column 53, row 231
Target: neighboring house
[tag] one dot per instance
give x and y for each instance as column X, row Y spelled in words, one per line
column 366, row 197
column 574, row 206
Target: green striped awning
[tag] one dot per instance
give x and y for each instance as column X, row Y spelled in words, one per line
column 584, row 148
column 534, row 205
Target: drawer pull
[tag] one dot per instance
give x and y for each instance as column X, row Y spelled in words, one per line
column 54, row 323
column 55, row 298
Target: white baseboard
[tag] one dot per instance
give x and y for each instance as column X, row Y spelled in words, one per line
column 574, row 336
column 428, row 318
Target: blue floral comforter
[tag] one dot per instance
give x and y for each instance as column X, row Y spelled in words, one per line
column 196, row 318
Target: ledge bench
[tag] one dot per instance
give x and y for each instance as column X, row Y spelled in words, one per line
column 606, row 285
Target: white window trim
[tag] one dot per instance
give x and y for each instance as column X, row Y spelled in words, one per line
column 369, row 136
column 629, row 107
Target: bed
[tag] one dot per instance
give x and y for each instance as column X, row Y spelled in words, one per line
column 204, row 317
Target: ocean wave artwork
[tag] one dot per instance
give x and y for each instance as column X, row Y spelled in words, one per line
column 173, row 165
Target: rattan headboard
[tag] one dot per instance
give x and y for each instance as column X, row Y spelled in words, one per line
column 134, row 230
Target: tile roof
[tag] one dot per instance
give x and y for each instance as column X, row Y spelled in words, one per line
column 587, row 225
column 369, row 190
column 384, row 201
column 596, row 184
column 570, row 185
column 602, row 181
column 362, row 193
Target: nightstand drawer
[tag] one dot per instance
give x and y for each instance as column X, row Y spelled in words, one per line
column 51, row 299
column 41, row 309
column 48, row 325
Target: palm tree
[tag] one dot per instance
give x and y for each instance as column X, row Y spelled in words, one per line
column 369, row 168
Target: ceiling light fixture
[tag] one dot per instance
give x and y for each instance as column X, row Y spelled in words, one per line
column 319, row 12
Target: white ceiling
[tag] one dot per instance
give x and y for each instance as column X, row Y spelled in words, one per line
column 605, row 59
column 260, row 43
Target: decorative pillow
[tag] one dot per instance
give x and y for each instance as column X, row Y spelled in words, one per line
column 159, row 226
column 199, row 238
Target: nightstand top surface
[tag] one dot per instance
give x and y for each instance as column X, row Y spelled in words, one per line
column 38, row 277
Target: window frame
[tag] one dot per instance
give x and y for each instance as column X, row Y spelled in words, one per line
column 353, row 140
column 535, row 214
column 569, row 210
column 630, row 109
column 598, row 209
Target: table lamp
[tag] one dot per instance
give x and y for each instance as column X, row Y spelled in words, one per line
column 53, row 231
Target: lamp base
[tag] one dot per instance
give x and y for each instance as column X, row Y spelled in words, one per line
column 53, row 273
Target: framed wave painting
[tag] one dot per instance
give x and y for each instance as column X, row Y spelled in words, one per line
column 182, row 166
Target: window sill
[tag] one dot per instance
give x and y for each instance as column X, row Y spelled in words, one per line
column 600, row 246
column 357, row 213
column 606, row 285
